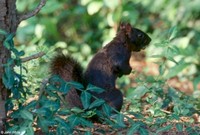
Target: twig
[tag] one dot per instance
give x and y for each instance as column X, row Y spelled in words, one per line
column 34, row 12
column 42, row 87
column 34, row 56
column 165, row 111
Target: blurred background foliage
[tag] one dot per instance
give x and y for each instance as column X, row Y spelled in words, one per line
column 81, row 27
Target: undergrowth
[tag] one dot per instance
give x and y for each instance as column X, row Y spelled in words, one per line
column 152, row 107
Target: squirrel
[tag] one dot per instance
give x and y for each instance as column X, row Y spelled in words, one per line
column 109, row 63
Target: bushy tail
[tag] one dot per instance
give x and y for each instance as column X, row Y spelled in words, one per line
column 69, row 70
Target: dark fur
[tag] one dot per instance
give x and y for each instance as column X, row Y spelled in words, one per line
column 110, row 62
column 69, row 70
column 113, row 61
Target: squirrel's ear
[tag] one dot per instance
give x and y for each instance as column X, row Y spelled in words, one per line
column 128, row 28
column 122, row 26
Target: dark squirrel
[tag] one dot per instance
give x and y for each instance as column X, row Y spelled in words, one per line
column 109, row 63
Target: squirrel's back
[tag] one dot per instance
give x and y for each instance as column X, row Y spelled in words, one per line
column 69, row 70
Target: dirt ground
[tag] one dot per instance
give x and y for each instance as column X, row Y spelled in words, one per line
column 138, row 64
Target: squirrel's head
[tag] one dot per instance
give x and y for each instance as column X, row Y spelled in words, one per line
column 136, row 38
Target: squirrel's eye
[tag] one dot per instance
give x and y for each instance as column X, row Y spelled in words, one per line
column 140, row 35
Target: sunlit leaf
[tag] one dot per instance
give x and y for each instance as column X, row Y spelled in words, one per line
column 76, row 110
column 173, row 32
column 162, row 44
column 175, row 70
column 138, row 92
column 172, row 59
column 94, row 7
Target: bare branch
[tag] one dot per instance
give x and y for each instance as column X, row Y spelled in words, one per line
column 42, row 89
column 34, row 56
column 32, row 13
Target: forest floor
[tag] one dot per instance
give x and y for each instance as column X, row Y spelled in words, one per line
column 138, row 63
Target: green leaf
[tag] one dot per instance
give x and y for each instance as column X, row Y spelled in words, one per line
column 175, row 70
column 138, row 92
column 16, row 92
column 196, row 82
column 52, row 105
column 2, row 32
column 160, row 120
column 85, row 99
column 165, row 128
column 172, row 33
column 51, row 88
column 64, row 88
column 179, row 127
column 73, row 121
column 40, row 111
column 161, row 69
column 96, row 103
column 43, row 124
column 76, row 110
column 29, row 130
column 87, row 133
column 24, row 126
column 32, row 104
column 133, row 129
column 93, row 88
column 172, row 59
column 94, row 7
column 107, row 109
column 76, row 85
column 137, row 115
column 55, row 79
column 174, row 50
column 51, row 6
column 62, row 122
column 120, row 120
column 26, row 115
column 143, row 131
column 85, row 122
column 8, row 42
column 162, row 44
column 6, row 45
column 8, row 78
column 64, row 111
column 20, row 53
column 175, row 116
